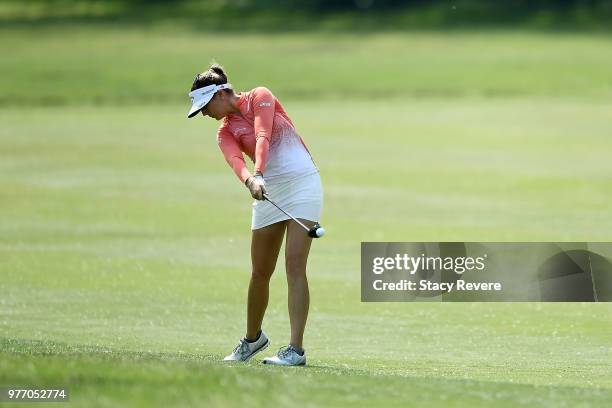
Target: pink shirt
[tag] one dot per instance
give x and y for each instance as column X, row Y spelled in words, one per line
column 264, row 131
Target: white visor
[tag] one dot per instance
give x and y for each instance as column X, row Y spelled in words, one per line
column 201, row 96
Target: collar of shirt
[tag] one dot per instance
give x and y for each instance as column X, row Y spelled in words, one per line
column 242, row 103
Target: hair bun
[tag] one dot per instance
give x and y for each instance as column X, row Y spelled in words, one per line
column 213, row 75
column 217, row 69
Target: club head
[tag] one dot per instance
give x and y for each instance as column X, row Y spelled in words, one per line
column 316, row 231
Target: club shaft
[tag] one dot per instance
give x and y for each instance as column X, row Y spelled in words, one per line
column 286, row 213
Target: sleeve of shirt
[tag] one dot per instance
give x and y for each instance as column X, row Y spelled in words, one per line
column 263, row 106
column 232, row 153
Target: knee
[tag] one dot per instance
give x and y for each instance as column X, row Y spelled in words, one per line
column 261, row 274
column 296, row 269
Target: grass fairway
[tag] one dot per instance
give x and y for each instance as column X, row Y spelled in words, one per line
column 125, row 261
column 125, row 237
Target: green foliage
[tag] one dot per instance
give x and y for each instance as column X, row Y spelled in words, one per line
column 344, row 15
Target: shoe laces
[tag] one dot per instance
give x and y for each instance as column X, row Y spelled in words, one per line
column 242, row 347
column 285, row 351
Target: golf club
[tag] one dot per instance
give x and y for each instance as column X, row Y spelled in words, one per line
column 316, row 231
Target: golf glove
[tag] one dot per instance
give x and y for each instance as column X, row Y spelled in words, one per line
column 256, row 185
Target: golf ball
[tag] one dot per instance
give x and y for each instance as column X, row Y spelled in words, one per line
column 320, row 232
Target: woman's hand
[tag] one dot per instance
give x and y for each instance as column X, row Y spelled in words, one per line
column 256, row 185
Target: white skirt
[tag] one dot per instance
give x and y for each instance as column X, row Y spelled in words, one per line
column 301, row 197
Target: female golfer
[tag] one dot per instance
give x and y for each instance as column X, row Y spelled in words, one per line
column 255, row 123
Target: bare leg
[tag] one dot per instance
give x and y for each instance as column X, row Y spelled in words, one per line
column 297, row 248
column 265, row 246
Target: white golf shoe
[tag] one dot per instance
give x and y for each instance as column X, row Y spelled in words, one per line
column 245, row 350
column 287, row 356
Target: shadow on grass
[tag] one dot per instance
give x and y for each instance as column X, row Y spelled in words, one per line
column 121, row 375
column 47, row 348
